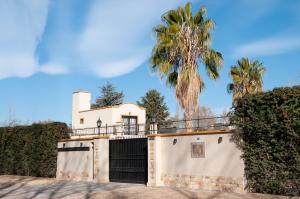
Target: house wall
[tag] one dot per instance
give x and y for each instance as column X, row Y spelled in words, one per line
column 108, row 115
column 91, row 116
column 128, row 110
column 171, row 163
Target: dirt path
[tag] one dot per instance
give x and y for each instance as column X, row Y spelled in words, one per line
column 28, row 187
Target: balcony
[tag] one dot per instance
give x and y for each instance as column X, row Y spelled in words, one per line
column 138, row 129
column 177, row 126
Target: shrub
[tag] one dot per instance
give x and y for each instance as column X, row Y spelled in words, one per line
column 30, row 150
column 267, row 129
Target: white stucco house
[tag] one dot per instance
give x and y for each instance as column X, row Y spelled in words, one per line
column 120, row 151
column 127, row 118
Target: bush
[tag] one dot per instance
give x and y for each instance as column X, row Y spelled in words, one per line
column 267, row 129
column 30, row 150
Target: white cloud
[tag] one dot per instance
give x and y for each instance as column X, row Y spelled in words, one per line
column 53, row 69
column 20, row 64
column 22, row 24
column 116, row 68
column 117, row 35
column 115, row 39
column 269, row 46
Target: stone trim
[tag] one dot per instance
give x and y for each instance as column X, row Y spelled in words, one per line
column 208, row 132
column 211, row 183
column 84, row 139
column 79, row 176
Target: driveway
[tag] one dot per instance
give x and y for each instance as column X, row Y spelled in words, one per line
column 29, row 187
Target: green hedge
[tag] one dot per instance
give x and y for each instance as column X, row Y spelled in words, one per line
column 30, row 150
column 268, row 132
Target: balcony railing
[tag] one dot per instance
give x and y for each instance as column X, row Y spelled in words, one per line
column 112, row 130
column 177, row 126
column 198, row 124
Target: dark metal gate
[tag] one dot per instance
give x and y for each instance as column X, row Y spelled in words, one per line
column 128, row 160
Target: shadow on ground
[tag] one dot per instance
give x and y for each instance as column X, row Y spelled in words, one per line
column 29, row 187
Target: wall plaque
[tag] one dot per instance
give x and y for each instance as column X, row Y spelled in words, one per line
column 197, row 150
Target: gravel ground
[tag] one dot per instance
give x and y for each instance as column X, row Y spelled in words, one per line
column 15, row 187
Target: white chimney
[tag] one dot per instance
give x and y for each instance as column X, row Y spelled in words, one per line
column 81, row 102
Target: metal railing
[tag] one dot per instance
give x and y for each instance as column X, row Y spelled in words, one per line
column 135, row 129
column 177, row 126
column 197, row 124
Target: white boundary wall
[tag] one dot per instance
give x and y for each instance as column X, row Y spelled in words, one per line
column 170, row 162
column 89, row 165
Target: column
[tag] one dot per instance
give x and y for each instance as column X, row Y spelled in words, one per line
column 154, row 161
column 101, row 160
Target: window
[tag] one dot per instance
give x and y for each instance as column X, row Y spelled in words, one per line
column 130, row 125
column 81, row 120
column 197, row 150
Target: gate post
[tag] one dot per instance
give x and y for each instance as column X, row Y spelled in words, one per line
column 154, row 161
column 101, row 157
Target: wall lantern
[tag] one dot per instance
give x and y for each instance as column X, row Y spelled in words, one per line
column 99, row 122
column 220, row 139
column 174, row 141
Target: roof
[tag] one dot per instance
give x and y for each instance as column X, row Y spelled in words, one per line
column 81, row 91
column 114, row 106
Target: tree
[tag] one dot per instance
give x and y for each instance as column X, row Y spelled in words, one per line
column 155, row 106
column 183, row 42
column 246, row 78
column 206, row 117
column 109, row 96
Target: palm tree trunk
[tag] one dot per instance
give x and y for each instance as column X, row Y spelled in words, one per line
column 188, row 115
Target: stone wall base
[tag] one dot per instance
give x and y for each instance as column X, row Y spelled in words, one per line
column 211, row 183
column 84, row 176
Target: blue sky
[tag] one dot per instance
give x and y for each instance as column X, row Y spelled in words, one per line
column 50, row 48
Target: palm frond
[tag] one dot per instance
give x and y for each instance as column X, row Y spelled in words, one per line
column 199, row 17
column 246, row 77
column 230, row 88
column 184, row 42
column 213, row 61
column 172, row 78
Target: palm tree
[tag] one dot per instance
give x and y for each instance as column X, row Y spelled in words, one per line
column 246, row 77
column 183, row 44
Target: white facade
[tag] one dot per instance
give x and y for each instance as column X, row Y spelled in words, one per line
column 84, row 117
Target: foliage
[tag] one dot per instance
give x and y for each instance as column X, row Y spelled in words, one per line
column 204, row 112
column 109, row 96
column 206, row 116
column 268, row 132
column 155, row 106
column 246, row 77
column 30, row 150
column 183, row 42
